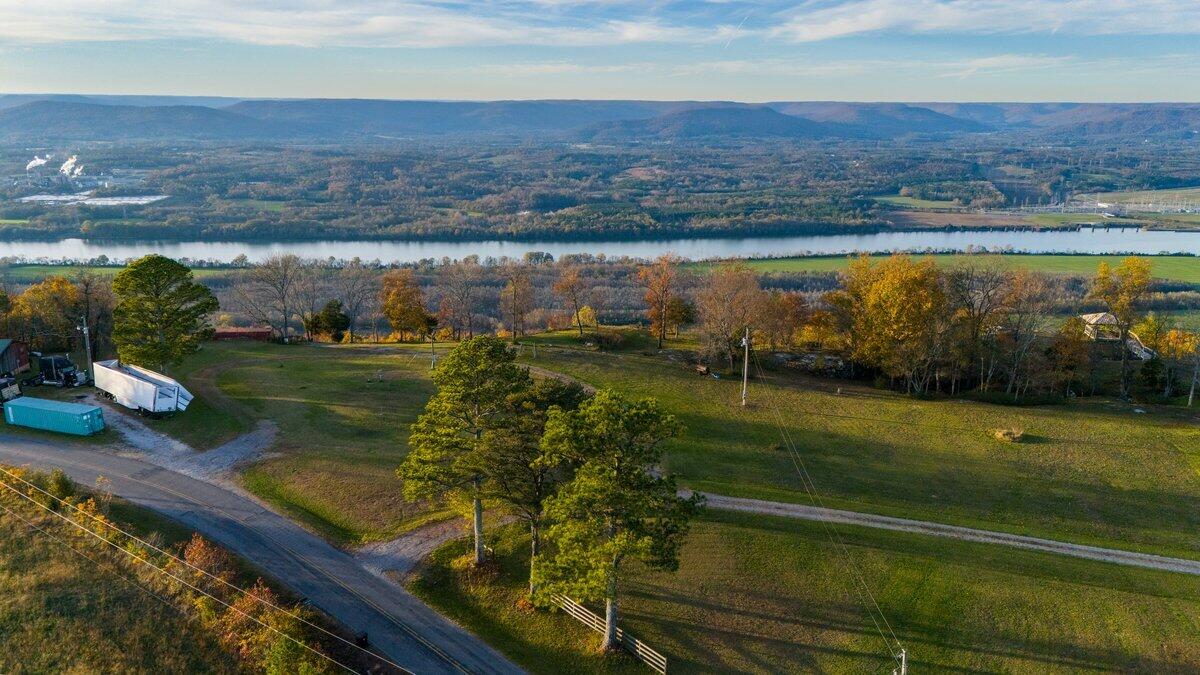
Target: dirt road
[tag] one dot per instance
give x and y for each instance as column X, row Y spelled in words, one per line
column 804, row 512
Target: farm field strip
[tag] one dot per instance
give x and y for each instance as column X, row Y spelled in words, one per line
column 1175, row 268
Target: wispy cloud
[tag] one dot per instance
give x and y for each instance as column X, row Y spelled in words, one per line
column 565, row 23
column 559, row 68
column 813, row 21
column 1005, row 63
column 362, row 23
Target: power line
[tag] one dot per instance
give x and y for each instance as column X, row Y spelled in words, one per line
column 834, row 538
column 111, row 568
column 904, row 423
column 200, row 570
column 317, row 570
column 166, row 572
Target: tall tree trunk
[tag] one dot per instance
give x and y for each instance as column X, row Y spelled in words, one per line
column 610, row 616
column 477, row 523
column 1125, row 365
column 1195, row 376
column 535, row 547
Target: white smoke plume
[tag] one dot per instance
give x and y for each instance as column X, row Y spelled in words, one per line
column 37, row 161
column 68, row 166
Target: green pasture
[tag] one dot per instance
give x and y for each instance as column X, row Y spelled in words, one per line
column 757, row 594
column 343, row 415
column 1095, row 471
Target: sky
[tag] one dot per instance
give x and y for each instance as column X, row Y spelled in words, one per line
column 745, row 50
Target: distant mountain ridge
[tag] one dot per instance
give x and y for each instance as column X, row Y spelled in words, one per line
column 70, row 117
column 721, row 122
column 66, row 120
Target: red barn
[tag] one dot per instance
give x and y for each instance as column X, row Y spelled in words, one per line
column 235, row 333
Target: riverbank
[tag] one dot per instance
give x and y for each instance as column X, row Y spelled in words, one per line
column 1079, row 241
column 1183, row 267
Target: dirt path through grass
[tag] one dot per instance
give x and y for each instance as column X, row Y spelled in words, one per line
column 814, row 513
column 212, row 465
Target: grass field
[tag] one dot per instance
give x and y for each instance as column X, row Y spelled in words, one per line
column 1094, row 471
column 1128, row 196
column 342, row 431
column 1060, row 219
column 766, row 595
column 914, row 203
column 260, row 204
column 34, row 273
column 1178, row 268
column 60, row 613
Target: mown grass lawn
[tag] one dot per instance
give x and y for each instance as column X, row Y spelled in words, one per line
column 768, row 595
column 1177, row 268
column 1094, row 471
column 211, row 418
column 343, row 415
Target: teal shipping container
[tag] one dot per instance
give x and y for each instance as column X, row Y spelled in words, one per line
column 68, row 418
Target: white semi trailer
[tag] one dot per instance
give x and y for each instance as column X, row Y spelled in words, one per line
column 140, row 389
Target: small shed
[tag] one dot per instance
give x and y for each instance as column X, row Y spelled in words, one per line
column 14, row 357
column 68, row 418
column 256, row 334
column 1104, row 327
column 1101, row 326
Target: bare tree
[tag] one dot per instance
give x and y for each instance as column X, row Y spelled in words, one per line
column 977, row 292
column 459, row 285
column 357, row 285
column 1025, row 306
column 659, row 280
column 96, row 304
column 516, row 300
column 571, row 287
column 267, row 292
column 727, row 304
column 312, row 290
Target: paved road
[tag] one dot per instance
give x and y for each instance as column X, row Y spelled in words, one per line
column 400, row 626
column 804, row 512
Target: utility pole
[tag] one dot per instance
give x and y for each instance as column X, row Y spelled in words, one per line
column 432, row 351
column 745, row 365
column 903, row 670
column 87, row 343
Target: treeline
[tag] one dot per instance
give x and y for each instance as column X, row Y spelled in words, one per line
column 151, row 313
column 925, row 329
column 551, row 190
column 263, row 631
column 976, row 194
column 953, row 330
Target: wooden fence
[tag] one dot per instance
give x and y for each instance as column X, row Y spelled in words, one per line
column 640, row 650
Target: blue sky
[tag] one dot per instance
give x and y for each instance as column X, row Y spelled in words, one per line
column 754, row 50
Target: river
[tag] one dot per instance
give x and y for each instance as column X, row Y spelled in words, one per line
column 1086, row 240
